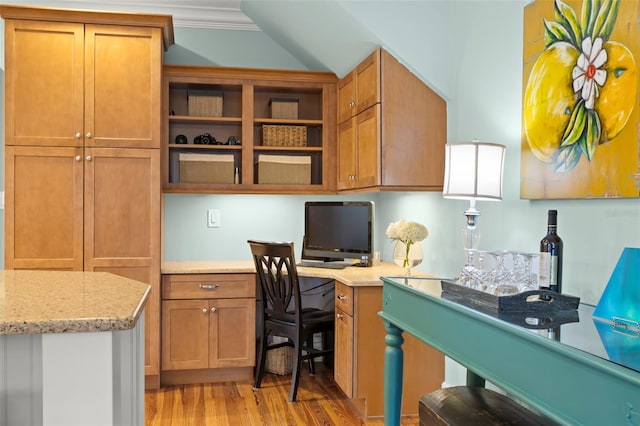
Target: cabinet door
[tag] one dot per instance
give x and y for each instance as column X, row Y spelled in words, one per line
column 368, row 82
column 44, row 83
column 368, row 134
column 122, row 225
column 43, row 213
column 346, row 97
column 347, row 154
column 232, row 333
column 122, row 208
column 343, row 355
column 185, row 334
column 123, row 86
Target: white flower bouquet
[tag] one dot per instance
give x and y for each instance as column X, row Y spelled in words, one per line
column 408, row 233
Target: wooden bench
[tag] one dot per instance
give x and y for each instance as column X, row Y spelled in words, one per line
column 473, row 405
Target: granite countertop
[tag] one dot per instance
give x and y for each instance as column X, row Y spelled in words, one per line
column 352, row 276
column 37, row 302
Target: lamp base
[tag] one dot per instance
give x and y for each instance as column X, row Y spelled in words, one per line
column 470, row 237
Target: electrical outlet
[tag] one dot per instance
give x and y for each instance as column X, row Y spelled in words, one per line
column 213, row 218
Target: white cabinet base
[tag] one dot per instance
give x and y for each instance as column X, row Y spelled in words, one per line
column 73, row 378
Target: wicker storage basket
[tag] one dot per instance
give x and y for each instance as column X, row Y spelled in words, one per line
column 275, row 135
column 205, row 104
column 284, row 169
column 284, row 108
column 206, row 168
column 279, row 361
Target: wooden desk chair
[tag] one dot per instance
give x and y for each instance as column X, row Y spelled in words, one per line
column 282, row 313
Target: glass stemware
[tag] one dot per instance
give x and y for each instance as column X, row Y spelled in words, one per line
column 467, row 273
column 481, row 273
column 529, row 280
column 500, row 274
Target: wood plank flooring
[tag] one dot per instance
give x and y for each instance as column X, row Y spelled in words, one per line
column 319, row 402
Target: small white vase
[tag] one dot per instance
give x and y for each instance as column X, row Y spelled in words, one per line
column 407, row 260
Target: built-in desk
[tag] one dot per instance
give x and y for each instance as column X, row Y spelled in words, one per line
column 71, row 348
column 359, row 333
column 573, row 380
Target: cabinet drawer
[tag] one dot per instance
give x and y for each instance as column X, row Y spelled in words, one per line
column 208, row 286
column 344, row 298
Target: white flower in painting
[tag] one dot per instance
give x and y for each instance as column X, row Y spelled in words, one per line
column 587, row 75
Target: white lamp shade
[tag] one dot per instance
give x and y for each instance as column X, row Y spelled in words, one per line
column 473, row 170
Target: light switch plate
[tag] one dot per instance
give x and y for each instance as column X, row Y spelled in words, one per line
column 213, row 218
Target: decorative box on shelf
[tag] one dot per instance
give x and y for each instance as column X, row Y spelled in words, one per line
column 206, row 168
column 286, row 108
column 203, row 103
column 277, row 135
column 284, row 169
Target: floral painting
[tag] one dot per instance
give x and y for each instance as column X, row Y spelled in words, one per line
column 580, row 99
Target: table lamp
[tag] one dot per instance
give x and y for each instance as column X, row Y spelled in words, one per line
column 473, row 171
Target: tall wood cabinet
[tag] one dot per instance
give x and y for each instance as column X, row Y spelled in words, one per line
column 82, row 155
column 391, row 129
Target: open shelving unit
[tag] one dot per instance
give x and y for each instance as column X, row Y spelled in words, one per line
column 246, row 98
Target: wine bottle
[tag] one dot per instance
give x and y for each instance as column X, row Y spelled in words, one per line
column 550, row 273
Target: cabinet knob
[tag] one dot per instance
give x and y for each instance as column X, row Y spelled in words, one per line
column 78, row 158
column 205, row 310
column 89, row 158
column 342, row 297
column 339, row 316
column 209, row 286
column 88, row 135
column 78, row 135
column 213, row 310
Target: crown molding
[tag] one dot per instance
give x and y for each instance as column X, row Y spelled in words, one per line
column 216, row 14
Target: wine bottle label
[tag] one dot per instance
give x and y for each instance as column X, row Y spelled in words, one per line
column 548, row 271
column 544, row 270
column 553, row 272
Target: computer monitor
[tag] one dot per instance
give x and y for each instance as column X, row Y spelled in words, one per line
column 338, row 230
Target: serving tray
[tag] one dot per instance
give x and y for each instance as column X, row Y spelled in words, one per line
column 528, row 301
column 535, row 309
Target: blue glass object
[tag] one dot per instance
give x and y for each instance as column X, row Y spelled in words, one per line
column 621, row 297
column 617, row 314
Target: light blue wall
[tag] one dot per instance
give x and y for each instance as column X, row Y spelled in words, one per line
column 197, row 46
column 471, row 53
column 468, row 51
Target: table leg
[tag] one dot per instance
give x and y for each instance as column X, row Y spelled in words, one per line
column 393, row 366
column 474, row 380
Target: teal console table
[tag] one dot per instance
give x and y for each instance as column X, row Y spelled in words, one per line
column 583, row 378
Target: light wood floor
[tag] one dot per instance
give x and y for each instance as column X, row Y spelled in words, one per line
column 319, row 402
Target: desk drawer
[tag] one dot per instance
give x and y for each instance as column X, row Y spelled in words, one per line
column 344, row 298
column 208, row 286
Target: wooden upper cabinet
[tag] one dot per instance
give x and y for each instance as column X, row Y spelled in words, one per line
column 398, row 131
column 346, row 97
column 368, row 82
column 79, row 83
column 359, row 89
column 44, row 83
column 123, row 86
column 359, row 151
